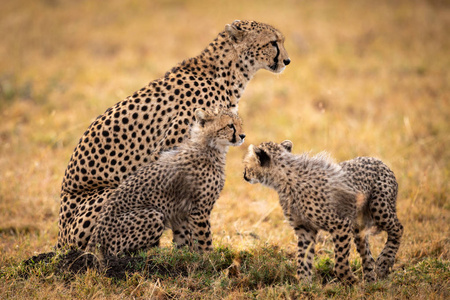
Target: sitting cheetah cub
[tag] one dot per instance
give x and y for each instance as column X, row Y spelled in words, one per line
column 177, row 191
column 344, row 199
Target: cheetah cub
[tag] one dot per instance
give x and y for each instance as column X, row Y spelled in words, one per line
column 177, row 191
column 344, row 199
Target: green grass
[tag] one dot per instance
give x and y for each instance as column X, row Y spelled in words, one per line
column 263, row 271
column 366, row 78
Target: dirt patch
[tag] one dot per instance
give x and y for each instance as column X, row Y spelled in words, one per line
column 78, row 262
column 43, row 257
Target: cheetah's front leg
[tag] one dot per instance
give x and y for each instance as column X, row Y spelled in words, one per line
column 306, row 240
column 201, row 230
column 182, row 234
column 341, row 232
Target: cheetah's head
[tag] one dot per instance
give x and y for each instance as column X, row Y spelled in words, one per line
column 260, row 46
column 220, row 128
column 260, row 162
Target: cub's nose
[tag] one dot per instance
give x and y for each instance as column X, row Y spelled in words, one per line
column 245, row 176
column 286, row 61
column 242, row 136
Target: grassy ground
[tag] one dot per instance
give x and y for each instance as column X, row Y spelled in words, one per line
column 366, row 78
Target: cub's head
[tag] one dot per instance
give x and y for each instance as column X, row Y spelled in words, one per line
column 260, row 46
column 220, row 128
column 261, row 161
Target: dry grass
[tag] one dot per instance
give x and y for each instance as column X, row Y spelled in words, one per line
column 366, row 78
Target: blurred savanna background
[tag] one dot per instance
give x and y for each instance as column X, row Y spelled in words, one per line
column 367, row 78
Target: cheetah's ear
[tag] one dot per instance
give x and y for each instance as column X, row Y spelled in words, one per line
column 287, row 144
column 235, row 31
column 263, row 157
column 202, row 116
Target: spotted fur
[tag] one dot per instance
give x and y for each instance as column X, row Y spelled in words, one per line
column 157, row 118
column 177, row 191
column 345, row 199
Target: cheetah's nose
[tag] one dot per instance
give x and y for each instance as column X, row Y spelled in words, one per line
column 286, row 61
column 242, row 136
column 245, row 176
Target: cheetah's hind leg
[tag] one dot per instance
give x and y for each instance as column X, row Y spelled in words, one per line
column 138, row 229
column 385, row 260
column 94, row 246
column 128, row 232
column 386, row 219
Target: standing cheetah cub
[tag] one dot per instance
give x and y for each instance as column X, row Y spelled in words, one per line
column 344, row 199
column 177, row 191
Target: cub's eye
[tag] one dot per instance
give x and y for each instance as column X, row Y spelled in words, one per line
column 274, row 43
column 231, row 126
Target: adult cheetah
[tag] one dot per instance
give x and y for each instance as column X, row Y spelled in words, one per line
column 344, row 199
column 176, row 191
column 157, row 118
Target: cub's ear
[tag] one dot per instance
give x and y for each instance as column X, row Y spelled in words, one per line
column 235, row 31
column 263, row 157
column 202, row 116
column 287, row 144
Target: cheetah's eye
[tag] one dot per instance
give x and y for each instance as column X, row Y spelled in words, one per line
column 274, row 43
column 231, row 126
